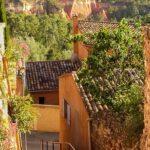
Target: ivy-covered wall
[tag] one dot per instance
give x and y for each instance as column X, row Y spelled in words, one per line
column 107, row 133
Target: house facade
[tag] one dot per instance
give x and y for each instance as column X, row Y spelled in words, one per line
column 42, row 79
column 74, row 118
column 86, row 124
column 42, row 84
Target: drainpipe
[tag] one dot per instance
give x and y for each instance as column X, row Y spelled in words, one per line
column 23, row 91
column 89, row 120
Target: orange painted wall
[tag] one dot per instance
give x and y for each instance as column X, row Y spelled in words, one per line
column 48, row 119
column 77, row 132
column 51, row 97
column 82, row 51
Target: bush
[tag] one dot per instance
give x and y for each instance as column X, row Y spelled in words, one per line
column 22, row 112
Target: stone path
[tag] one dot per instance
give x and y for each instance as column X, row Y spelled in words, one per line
column 34, row 140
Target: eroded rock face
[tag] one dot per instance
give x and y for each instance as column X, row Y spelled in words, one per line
column 30, row 7
column 81, row 7
column 145, row 142
column 108, row 133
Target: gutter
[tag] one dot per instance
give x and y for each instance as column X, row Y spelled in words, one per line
column 89, row 120
column 36, row 91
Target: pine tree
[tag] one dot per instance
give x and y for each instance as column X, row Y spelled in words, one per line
column 3, row 18
column 2, row 11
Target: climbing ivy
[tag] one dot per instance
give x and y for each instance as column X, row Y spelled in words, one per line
column 115, row 71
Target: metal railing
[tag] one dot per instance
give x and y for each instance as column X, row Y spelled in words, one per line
column 49, row 145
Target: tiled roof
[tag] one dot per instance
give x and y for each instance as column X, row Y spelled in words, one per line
column 94, row 26
column 93, row 107
column 86, row 27
column 43, row 75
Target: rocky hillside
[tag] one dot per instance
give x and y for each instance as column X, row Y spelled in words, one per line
column 103, row 10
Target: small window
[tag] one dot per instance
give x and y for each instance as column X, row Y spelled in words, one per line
column 41, row 100
column 67, row 112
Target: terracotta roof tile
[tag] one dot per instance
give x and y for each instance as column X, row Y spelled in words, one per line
column 94, row 107
column 43, row 75
column 93, row 26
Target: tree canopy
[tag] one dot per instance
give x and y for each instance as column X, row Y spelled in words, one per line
column 48, row 32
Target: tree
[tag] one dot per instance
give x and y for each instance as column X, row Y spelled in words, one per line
column 49, row 31
column 37, row 51
column 23, row 112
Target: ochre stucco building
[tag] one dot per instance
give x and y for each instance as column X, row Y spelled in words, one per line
column 42, row 84
column 75, row 127
column 80, row 117
column 42, row 79
column 85, row 123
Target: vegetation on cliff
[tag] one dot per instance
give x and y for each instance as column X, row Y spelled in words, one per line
column 131, row 9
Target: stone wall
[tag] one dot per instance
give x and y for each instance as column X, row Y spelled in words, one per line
column 109, row 133
column 145, row 143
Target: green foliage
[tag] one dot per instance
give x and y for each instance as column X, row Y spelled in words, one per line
column 3, row 135
column 49, row 32
column 22, row 112
column 4, row 126
column 13, row 52
column 115, row 52
column 35, row 49
column 130, row 9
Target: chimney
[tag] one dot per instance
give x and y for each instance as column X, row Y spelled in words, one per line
column 19, row 84
column 20, row 77
column 79, row 50
column 75, row 32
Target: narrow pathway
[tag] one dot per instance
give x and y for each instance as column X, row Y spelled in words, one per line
column 34, row 140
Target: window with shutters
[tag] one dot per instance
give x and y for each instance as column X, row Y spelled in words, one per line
column 66, row 111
